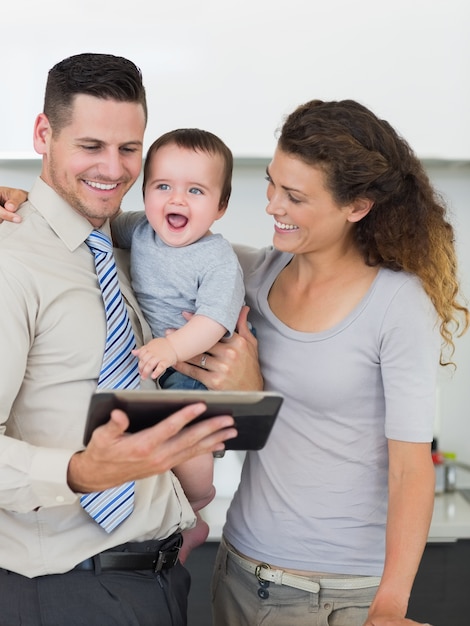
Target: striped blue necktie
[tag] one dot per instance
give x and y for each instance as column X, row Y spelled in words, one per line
column 118, row 371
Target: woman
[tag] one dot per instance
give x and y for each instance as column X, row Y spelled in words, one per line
column 354, row 307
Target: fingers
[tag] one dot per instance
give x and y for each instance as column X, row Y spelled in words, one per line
column 155, row 357
column 243, row 327
column 210, row 443
column 203, row 375
column 149, row 365
column 176, row 435
column 161, row 367
column 152, row 367
column 114, row 456
column 178, row 440
column 7, row 214
column 10, row 200
column 231, row 365
column 176, row 422
column 112, row 430
column 118, row 423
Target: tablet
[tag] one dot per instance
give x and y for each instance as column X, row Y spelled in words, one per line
column 254, row 412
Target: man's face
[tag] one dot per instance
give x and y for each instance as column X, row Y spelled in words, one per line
column 96, row 158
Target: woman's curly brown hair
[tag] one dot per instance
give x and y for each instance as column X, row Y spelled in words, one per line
column 406, row 229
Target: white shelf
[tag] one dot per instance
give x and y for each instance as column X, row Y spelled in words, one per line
column 239, row 160
column 451, row 518
column 19, row 156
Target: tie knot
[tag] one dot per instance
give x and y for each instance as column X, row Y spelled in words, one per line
column 99, row 242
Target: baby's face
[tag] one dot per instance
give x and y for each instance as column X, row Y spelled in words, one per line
column 182, row 195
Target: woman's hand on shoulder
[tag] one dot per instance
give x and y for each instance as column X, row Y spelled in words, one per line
column 10, row 201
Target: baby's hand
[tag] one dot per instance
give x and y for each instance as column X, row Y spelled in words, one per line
column 155, row 357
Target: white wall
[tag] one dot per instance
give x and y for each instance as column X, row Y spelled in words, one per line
column 235, row 67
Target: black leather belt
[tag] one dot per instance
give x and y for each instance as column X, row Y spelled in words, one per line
column 147, row 555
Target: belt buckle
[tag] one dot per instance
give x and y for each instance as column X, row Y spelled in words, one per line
column 258, row 569
column 263, row 592
column 167, row 557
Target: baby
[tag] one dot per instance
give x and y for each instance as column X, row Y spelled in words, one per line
column 177, row 264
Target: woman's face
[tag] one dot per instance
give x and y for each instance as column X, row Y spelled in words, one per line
column 307, row 219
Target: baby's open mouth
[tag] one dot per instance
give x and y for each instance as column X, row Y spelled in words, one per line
column 176, row 220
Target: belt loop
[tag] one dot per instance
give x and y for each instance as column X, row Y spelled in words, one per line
column 97, row 564
column 159, row 562
column 168, row 554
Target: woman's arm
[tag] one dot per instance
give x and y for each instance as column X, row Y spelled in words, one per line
column 410, row 507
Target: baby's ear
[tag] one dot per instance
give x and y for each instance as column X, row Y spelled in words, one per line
column 222, row 208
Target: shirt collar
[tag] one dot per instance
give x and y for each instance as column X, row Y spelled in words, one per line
column 71, row 227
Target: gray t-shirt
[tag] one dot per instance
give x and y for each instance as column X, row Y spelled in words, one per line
column 315, row 498
column 204, row 277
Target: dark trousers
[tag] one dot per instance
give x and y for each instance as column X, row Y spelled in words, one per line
column 94, row 598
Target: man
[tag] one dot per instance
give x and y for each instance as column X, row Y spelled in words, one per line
column 60, row 566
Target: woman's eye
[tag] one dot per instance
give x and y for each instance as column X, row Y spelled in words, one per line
column 292, row 199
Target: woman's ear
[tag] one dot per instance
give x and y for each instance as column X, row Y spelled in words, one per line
column 359, row 209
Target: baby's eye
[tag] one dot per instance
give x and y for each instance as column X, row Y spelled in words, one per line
column 196, row 190
column 163, row 186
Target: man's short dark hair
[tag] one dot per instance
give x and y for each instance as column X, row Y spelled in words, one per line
column 100, row 75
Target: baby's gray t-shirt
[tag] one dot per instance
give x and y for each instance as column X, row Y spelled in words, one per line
column 203, row 278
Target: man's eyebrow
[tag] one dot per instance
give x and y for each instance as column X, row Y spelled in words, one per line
column 135, row 142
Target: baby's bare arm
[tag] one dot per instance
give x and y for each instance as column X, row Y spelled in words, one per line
column 199, row 334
